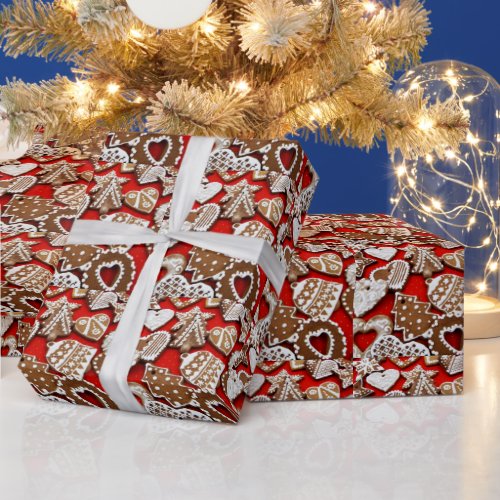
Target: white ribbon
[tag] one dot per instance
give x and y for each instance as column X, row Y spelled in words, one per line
column 121, row 350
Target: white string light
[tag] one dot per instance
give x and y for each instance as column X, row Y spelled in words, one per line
column 69, row 5
column 112, row 88
column 82, row 91
column 480, row 210
column 136, row 34
column 370, row 6
column 241, row 86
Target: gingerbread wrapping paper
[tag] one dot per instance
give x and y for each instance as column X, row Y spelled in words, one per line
column 372, row 307
column 41, row 194
column 177, row 260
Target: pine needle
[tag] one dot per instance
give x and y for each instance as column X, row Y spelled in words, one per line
column 257, row 68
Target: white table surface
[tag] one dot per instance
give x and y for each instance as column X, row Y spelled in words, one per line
column 401, row 449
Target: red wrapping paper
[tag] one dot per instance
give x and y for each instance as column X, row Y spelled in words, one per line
column 201, row 341
column 372, row 307
column 41, row 194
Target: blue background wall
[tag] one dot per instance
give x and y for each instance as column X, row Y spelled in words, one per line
column 353, row 180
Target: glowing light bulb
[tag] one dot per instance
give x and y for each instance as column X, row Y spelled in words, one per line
column 453, row 81
column 471, row 138
column 82, row 90
column 70, row 5
column 242, row 86
column 436, row 204
column 449, row 72
column 493, row 266
column 207, row 27
column 256, row 26
column 480, row 184
column 370, row 6
column 425, row 124
column 102, row 103
column 137, row 34
column 449, row 154
column 401, row 170
column 82, row 85
column 316, row 113
column 429, row 159
column 112, row 88
column 482, row 287
column 81, row 112
column 139, row 100
column 472, row 220
column 468, row 98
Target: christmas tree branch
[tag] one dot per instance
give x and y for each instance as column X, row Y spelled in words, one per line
column 257, row 68
column 30, row 105
column 181, row 108
column 298, row 99
column 104, row 20
column 201, row 45
column 400, row 31
column 40, row 29
column 65, row 109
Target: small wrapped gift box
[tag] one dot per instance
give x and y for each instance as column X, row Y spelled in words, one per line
column 170, row 275
column 41, row 194
column 372, row 307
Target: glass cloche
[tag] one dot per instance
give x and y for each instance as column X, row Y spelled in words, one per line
column 458, row 196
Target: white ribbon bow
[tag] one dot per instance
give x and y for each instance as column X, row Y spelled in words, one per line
column 121, row 350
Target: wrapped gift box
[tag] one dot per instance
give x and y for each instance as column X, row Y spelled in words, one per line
column 372, row 307
column 41, row 194
column 204, row 316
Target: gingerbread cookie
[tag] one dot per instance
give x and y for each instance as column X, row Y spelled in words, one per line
column 400, row 317
column 316, row 298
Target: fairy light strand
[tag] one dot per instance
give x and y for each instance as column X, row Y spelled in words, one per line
column 482, row 210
